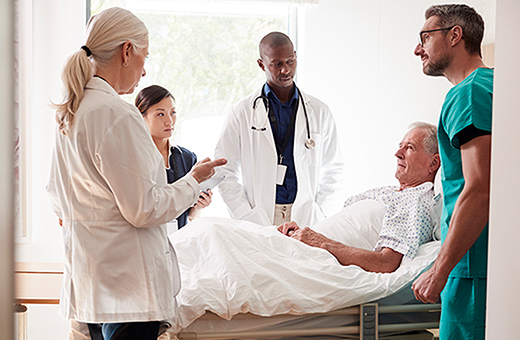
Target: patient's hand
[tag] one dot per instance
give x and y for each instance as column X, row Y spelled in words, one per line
column 310, row 237
column 288, row 228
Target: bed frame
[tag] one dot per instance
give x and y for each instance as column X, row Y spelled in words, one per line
column 368, row 327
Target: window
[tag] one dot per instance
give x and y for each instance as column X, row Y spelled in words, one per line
column 205, row 53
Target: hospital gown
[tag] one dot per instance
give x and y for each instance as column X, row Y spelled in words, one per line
column 408, row 219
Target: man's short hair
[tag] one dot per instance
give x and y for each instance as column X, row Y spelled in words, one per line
column 430, row 141
column 274, row 39
column 464, row 16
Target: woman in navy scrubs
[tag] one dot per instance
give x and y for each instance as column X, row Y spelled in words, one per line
column 157, row 106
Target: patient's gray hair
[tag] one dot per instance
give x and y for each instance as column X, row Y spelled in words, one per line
column 431, row 145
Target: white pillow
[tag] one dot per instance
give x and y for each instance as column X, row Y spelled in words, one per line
column 357, row 225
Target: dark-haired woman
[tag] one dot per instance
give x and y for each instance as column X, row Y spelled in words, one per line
column 157, row 106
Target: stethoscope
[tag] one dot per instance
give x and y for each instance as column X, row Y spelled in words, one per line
column 309, row 143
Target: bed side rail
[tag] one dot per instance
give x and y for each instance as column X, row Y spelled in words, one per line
column 368, row 329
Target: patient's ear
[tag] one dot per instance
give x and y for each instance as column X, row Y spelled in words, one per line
column 436, row 163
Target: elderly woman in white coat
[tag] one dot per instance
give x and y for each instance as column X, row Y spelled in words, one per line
column 109, row 187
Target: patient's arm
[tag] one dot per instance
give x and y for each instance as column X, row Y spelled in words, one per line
column 384, row 261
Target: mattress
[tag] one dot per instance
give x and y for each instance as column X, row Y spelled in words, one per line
column 344, row 317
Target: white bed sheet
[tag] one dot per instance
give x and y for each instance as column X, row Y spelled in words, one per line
column 230, row 267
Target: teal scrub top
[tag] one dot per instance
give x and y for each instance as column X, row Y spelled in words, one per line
column 468, row 103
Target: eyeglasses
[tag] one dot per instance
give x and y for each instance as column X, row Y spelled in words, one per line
column 429, row 31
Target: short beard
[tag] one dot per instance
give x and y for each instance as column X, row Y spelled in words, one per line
column 437, row 68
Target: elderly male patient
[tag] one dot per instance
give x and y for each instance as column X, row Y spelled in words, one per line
column 406, row 211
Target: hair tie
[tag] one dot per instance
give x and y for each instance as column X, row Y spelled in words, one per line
column 87, row 50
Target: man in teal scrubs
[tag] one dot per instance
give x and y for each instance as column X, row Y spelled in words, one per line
column 449, row 46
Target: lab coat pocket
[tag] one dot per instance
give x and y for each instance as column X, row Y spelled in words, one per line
column 312, row 156
column 163, row 281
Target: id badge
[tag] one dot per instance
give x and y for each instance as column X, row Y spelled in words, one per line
column 280, row 173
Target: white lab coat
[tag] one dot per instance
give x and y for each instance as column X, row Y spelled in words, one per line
column 249, row 186
column 109, row 187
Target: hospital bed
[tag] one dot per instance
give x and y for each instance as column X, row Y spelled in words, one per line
column 244, row 281
column 366, row 321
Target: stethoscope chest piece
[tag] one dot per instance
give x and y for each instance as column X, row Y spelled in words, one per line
column 309, row 143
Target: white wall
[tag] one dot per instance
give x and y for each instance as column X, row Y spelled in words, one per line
column 357, row 56
column 504, row 229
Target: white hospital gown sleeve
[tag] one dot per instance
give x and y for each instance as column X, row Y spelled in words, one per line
column 367, row 195
column 127, row 159
column 407, row 223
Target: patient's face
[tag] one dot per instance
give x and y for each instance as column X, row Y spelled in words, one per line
column 414, row 164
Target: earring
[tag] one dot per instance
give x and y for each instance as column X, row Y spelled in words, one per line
column 125, row 64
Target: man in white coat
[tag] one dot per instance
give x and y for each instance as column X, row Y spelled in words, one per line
column 284, row 161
